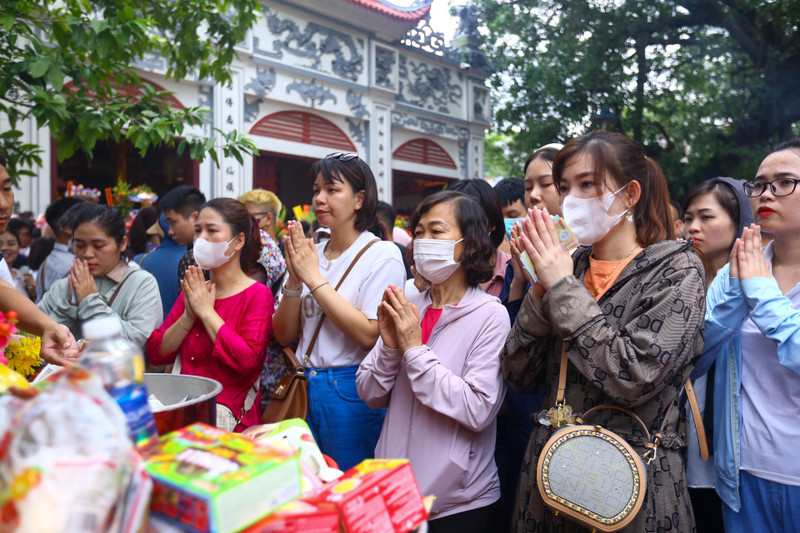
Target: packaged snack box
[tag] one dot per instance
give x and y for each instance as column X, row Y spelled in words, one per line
column 376, row 496
column 299, row 517
column 212, row 481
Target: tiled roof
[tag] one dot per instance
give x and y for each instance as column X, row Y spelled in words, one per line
column 413, row 13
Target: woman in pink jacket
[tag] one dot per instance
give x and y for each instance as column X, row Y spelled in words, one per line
column 436, row 367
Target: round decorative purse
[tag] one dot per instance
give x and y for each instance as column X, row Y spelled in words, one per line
column 592, row 475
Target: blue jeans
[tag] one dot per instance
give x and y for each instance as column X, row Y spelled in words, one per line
column 767, row 507
column 344, row 427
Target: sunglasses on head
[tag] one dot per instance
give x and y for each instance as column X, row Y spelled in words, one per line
column 342, row 156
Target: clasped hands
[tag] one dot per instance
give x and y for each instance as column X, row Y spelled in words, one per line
column 81, row 281
column 747, row 256
column 302, row 260
column 398, row 320
column 198, row 296
column 538, row 237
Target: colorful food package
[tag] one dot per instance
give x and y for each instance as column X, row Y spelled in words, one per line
column 299, row 517
column 376, row 496
column 212, row 481
column 66, row 462
column 295, row 432
column 565, row 237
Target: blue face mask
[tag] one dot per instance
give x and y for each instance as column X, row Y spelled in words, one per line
column 509, row 222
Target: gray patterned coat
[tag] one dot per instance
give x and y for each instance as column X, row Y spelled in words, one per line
column 634, row 348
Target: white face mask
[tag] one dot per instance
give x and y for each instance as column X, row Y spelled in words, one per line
column 588, row 218
column 433, row 258
column 210, row 255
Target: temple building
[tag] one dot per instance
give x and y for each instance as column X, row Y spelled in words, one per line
column 315, row 77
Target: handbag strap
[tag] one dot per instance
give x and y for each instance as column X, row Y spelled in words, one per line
column 322, row 318
column 119, row 287
column 655, row 440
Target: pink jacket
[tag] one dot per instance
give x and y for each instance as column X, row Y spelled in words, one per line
column 442, row 401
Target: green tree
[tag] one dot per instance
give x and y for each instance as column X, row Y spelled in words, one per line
column 499, row 161
column 706, row 85
column 68, row 64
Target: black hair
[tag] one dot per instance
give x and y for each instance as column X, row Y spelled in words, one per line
column 509, row 191
column 479, row 252
column 790, row 144
column 17, row 224
column 183, row 199
column 487, row 198
column 386, row 213
column 137, row 235
column 40, row 249
column 677, row 206
column 3, row 160
column 70, row 216
column 109, row 219
column 56, row 210
column 236, row 215
column 546, row 153
column 358, row 174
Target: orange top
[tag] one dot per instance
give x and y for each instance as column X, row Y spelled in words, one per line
column 601, row 275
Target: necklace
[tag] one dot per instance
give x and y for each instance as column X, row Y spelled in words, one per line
column 597, row 287
column 230, row 290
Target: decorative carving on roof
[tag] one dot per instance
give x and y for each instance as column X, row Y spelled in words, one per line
column 481, row 106
column 354, row 100
column 315, row 42
column 252, row 108
column 385, row 60
column 426, row 125
column 424, row 38
column 309, row 91
column 427, row 86
column 358, row 131
column 264, row 81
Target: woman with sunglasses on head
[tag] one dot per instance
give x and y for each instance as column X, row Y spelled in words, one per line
column 753, row 335
column 338, row 323
column 221, row 327
column 623, row 318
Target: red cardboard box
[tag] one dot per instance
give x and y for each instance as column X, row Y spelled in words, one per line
column 376, row 496
column 299, row 517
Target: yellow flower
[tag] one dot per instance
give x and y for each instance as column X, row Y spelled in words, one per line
column 23, row 355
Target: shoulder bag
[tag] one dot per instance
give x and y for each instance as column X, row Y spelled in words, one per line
column 290, row 399
column 592, row 475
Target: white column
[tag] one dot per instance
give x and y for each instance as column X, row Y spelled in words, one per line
column 380, row 157
column 228, row 179
column 475, row 157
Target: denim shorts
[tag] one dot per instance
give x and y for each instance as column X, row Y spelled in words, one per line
column 344, row 427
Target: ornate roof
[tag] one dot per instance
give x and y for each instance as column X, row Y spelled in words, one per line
column 414, row 12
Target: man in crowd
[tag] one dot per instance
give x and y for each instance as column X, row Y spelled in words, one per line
column 58, row 344
column 59, row 262
column 511, row 192
column 181, row 207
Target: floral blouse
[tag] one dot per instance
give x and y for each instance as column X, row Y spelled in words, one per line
column 271, row 258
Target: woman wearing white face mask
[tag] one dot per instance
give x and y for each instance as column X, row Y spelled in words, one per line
column 436, row 368
column 329, row 304
column 221, row 327
column 628, row 314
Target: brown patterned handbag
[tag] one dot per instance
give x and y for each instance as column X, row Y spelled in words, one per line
column 592, row 475
column 290, row 398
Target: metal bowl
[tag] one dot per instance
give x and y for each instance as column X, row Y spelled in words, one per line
column 170, row 389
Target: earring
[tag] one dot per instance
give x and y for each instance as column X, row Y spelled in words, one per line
column 629, row 217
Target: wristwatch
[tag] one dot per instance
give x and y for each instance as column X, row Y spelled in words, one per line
column 291, row 293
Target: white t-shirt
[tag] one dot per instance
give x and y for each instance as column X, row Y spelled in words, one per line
column 770, row 404
column 5, row 273
column 379, row 267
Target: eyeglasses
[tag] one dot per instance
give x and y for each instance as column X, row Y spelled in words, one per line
column 779, row 187
column 342, row 156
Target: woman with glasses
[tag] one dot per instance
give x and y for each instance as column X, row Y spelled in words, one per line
column 624, row 319
column 753, row 334
column 338, row 323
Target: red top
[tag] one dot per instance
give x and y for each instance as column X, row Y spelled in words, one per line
column 428, row 322
column 237, row 357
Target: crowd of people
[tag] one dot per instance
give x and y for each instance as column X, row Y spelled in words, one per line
column 439, row 345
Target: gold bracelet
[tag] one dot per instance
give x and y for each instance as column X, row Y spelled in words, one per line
column 181, row 324
column 317, row 287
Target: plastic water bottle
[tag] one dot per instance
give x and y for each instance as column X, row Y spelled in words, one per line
column 120, row 365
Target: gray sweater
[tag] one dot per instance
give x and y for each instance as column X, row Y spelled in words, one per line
column 137, row 304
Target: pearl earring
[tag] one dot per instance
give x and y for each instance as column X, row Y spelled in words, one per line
column 629, row 217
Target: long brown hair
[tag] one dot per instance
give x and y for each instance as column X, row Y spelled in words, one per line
column 622, row 160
